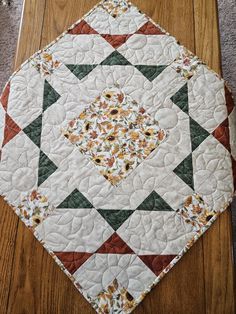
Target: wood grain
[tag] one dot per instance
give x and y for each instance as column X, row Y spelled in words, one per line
column 202, row 282
column 30, row 38
column 207, row 33
column 8, row 230
column 8, row 220
column 217, row 244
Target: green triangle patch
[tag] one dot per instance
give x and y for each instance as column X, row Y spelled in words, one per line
column 46, row 168
column 115, row 58
column 185, row 171
column 75, row 200
column 33, row 130
column 115, row 218
column 150, row 71
column 198, row 134
column 181, row 98
column 81, row 70
column 50, row 96
column 154, row 202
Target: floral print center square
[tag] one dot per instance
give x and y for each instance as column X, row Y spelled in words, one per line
column 115, row 133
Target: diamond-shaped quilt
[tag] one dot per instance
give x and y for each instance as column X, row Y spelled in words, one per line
column 117, row 151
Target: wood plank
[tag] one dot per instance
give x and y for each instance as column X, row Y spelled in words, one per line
column 218, row 266
column 8, row 229
column 207, row 33
column 167, row 13
column 30, row 28
column 179, row 292
column 39, row 282
column 166, row 296
column 35, row 278
column 9, row 221
column 69, row 12
column 217, row 243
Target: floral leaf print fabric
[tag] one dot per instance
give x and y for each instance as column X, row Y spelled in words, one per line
column 33, row 209
column 116, row 133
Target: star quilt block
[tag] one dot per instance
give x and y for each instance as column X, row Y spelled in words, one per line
column 117, row 151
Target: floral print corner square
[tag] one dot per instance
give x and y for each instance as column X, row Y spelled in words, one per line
column 116, row 7
column 196, row 212
column 115, row 133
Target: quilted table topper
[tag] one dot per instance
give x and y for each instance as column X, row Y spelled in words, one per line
column 117, row 151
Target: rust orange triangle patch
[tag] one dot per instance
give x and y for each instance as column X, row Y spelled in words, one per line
column 221, row 133
column 82, row 28
column 150, row 29
column 116, row 40
column 73, row 260
column 115, row 245
column 11, row 129
column 157, row 263
column 5, row 96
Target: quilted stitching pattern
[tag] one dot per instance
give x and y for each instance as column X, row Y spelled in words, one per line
column 117, row 239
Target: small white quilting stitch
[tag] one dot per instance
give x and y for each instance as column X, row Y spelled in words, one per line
column 177, row 191
column 150, row 50
column 74, row 230
column 127, row 23
column 212, row 172
column 107, row 268
column 160, row 232
column 18, row 168
column 25, row 86
column 76, row 171
column 88, row 49
column 206, row 99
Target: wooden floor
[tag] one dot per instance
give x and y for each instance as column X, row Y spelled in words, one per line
column 202, row 282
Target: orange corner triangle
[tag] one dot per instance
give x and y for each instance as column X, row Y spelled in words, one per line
column 116, row 40
column 82, row 28
column 115, row 245
column 150, row 29
column 73, row 260
column 5, row 95
column 11, row 129
column 157, row 263
column 221, row 133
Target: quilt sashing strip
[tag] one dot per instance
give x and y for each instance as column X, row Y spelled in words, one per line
column 117, row 152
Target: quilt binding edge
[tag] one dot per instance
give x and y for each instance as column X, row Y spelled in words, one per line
column 197, row 235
